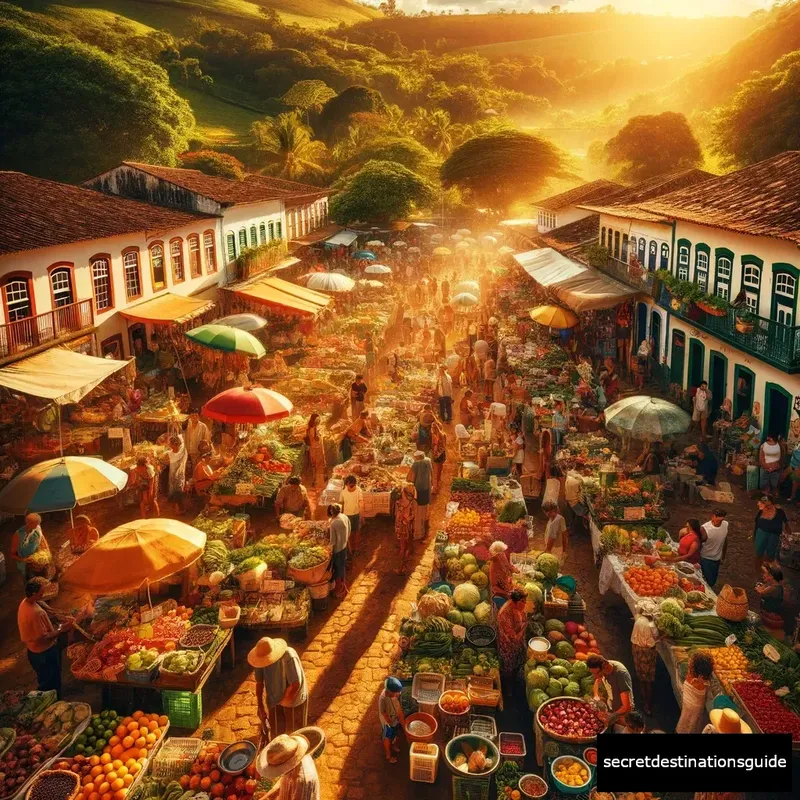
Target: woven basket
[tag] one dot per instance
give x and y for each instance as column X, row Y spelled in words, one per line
column 732, row 603
column 48, row 772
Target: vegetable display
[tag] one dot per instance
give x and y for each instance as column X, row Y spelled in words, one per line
column 571, row 718
column 767, row 710
column 650, row 581
column 205, row 776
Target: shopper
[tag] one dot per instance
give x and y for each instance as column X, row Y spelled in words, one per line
column 287, row 757
column 425, row 420
column 702, row 402
column 405, row 513
column 292, row 498
column 438, row 454
column 391, row 717
column 556, row 526
column 340, row 535
column 196, row 432
column 518, row 458
column 353, row 507
column 444, row 391
column 501, row 572
column 792, row 472
column 358, row 392
column 512, row 622
column 315, row 443
column 176, row 457
column 689, row 544
column 82, row 535
column 643, row 644
column 714, row 546
column 769, row 460
column 421, row 475
column 143, row 482
column 612, row 684
column 695, row 687
column 770, row 522
column 576, row 504
column 39, row 636
column 771, row 592
column 204, row 474
column 26, row 542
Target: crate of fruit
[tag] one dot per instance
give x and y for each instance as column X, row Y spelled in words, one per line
column 141, row 667
column 199, row 637
column 512, row 747
column 180, row 669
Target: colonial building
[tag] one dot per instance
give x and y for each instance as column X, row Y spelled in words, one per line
column 253, row 212
column 563, row 209
column 735, row 237
column 74, row 261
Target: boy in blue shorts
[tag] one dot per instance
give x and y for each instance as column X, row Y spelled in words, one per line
column 391, row 717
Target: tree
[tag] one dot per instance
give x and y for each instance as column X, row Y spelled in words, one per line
column 402, row 150
column 763, row 118
column 213, row 163
column 501, row 167
column 69, row 111
column 652, row 145
column 287, row 146
column 336, row 114
column 437, row 131
column 308, row 96
column 381, row 191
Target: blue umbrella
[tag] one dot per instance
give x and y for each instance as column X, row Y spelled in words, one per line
column 367, row 255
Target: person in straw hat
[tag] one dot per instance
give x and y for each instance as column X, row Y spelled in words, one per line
column 280, row 681
column 287, row 757
column 501, row 571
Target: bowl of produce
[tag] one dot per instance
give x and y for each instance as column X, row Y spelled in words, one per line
column 590, row 757
column 237, row 757
column 420, row 727
column 472, row 755
column 454, row 706
column 533, row 786
column 198, row 637
column 538, row 648
column 571, row 775
column 570, row 719
column 54, row 784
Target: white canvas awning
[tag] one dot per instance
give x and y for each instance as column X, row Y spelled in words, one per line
column 580, row 287
column 342, row 239
column 59, row 375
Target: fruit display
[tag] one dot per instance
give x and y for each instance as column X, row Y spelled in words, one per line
column 474, row 501
column 205, row 776
column 570, row 718
column 199, row 636
column 54, row 785
column 454, row 702
column 100, row 731
column 466, row 485
column 507, row 780
column 206, row 616
column 141, row 661
column 467, row 524
column 571, row 771
column 766, row 708
column 21, row 760
column 182, row 662
column 730, row 665
column 650, row 581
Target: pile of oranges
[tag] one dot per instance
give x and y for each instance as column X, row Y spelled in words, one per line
column 650, row 581
column 108, row 776
column 730, row 665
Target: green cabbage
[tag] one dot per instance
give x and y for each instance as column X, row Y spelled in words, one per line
column 469, row 619
column 466, row 596
column 572, row 689
column 558, row 672
column 672, row 606
column 455, row 616
column 554, row 688
column 535, row 698
column 669, row 625
column 564, row 650
column 479, row 579
column 547, row 564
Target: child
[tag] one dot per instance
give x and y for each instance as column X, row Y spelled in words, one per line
column 391, row 716
column 555, row 525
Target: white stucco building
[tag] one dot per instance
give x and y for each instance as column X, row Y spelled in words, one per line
column 563, row 209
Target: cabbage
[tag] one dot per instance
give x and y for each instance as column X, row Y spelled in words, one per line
column 468, row 558
column 554, row 688
column 565, row 650
column 672, row 606
column 455, row 617
column 547, row 564
column 558, row 672
column 554, row 625
column 535, row 698
column 537, row 679
column 483, row 612
column 469, row 569
column 451, row 551
column 561, row 662
column 466, row 596
column 587, row 685
column 572, row 689
column 479, row 579
column 534, row 592
column 469, row 619
column 580, row 670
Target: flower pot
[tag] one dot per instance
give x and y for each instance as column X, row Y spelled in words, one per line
column 743, row 327
column 709, row 309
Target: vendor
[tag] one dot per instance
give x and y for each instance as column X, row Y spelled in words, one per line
column 204, row 474
column 26, row 542
column 689, row 544
column 358, row 392
column 196, row 432
column 280, row 681
column 425, row 421
column 142, row 480
column 39, row 636
column 612, row 684
column 560, row 423
column 287, row 758
column 466, row 409
column 705, row 462
column 651, row 460
column 293, row 499
column 770, row 593
column 176, row 458
column 421, row 475
column 315, row 444
column 358, row 433
column 83, row 534
column 512, row 622
column 500, row 573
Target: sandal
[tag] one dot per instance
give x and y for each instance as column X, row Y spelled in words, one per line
column 392, row 760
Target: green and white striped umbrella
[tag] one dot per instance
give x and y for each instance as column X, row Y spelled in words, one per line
column 227, row 339
column 647, row 419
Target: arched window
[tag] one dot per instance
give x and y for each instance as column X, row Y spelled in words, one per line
column 640, row 250
column 784, row 298
column 701, row 262
column 61, row 286
column 101, row 281
column 262, row 233
column 633, row 246
column 751, row 283
column 231, row 246
column 625, row 247
column 18, row 298
column 652, row 257
column 195, row 262
column 278, row 230
column 253, row 236
column 271, row 231
column 664, row 256
column 133, row 275
column 616, row 244
column 210, row 251
column 722, row 282
column 176, row 260
column 684, row 251
column 242, row 239
column 602, row 237
column 157, row 270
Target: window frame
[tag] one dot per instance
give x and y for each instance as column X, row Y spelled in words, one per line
column 793, row 272
column 111, row 299
column 125, row 253
column 616, row 245
column 633, row 248
column 684, row 247
column 210, row 254
column 720, row 254
column 253, row 236
column 194, row 238
column 11, row 277
column 702, row 249
column 664, row 256
column 625, row 245
column 278, row 230
column 179, row 241
column 230, row 252
column 242, row 240
column 602, row 237
column 155, row 284
column 750, row 260
column 262, row 233
column 69, row 268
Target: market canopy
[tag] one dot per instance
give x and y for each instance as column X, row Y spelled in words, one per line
column 580, row 287
column 227, row 339
column 277, row 292
column 648, row 419
column 168, row 308
column 59, row 374
column 341, row 239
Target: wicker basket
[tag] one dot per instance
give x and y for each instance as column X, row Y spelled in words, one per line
column 732, row 603
column 49, row 772
column 179, row 680
column 308, row 576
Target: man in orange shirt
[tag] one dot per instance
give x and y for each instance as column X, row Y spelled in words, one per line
column 39, row 636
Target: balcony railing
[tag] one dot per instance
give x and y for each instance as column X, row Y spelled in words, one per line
column 629, row 274
column 769, row 341
column 48, row 328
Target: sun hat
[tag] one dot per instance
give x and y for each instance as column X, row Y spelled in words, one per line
column 497, row 547
column 726, row 720
column 393, row 684
column 281, row 755
column 266, row 652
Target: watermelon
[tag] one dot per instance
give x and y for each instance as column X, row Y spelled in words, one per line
column 554, row 625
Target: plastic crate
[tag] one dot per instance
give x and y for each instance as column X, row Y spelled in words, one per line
column 480, row 725
column 518, row 738
column 423, row 762
column 184, row 709
column 470, row 788
column 175, row 758
column 427, row 687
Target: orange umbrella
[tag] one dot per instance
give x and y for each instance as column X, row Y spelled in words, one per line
column 251, row 404
column 139, row 551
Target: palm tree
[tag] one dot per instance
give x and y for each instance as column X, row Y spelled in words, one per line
column 288, row 146
column 437, row 131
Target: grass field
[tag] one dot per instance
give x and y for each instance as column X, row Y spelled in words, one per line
column 219, row 123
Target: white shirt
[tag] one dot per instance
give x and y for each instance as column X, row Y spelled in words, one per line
column 701, row 399
column 498, row 410
column 642, row 635
column 519, row 456
column 712, row 547
column 196, row 434
column 772, row 452
column 302, row 783
column 351, row 501
column 444, row 386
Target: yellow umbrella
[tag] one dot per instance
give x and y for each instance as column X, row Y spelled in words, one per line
column 442, row 251
column 554, row 317
column 139, row 551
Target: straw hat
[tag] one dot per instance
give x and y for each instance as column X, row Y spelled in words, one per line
column 266, row 652
column 726, row 720
column 281, row 755
column 497, row 547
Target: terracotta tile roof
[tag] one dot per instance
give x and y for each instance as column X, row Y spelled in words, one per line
column 252, row 189
column 40, row 213
column 572, row 238
column 760, row 200
column 599, row 191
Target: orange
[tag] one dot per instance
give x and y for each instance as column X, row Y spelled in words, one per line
column 128, row 780
column 163, row 720
column 98, row 770
column 152, row 725
column 108, row 767
column 120, row 794
column 130, row 763
column 94, row 760
column 111, row 777
column 117, row 785
column 105, row 758
column 133, row 726
column 104, row 787
column 151, row 738
column 135, row 767
column 88, row 786
column 107, row 796
column 169, row 647
column 122, row 770
column 107, row 749
column 117, row 763
column 137, row 714
column 126, row 721
column 143, row 753
column 157, row 732
column 121, row 731
column 94, row 796
column 127, row 742
column 140, row 742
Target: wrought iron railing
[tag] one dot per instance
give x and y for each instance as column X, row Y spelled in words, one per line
column 30, row 332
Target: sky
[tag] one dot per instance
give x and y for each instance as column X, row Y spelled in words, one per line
column 677, row 8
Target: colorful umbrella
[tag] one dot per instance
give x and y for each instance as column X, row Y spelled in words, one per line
column 464, row 300
column 244, row 322
column 330, row 282
column 645, row 418
column 377, row 269
column 456, row 237
column 366, row 284
column 554, row 316
column 399, row 243
column 251, row 404
column 442, row 251
column 463, row 246
column 61, row 484
column 505, row 250
column 132, row 554
column 227, row 339
column 364, row 255
column 464, row 232
column 376, row 243
column 470, row 287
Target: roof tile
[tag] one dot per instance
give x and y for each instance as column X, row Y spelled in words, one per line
column 598, row 191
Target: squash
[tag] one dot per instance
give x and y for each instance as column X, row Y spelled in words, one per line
column 554, row 637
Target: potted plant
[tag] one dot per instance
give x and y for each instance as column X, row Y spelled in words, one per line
column 745, row 321
column 661, row 277
column 713, row 304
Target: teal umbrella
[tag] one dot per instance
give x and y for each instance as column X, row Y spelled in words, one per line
column 362, row 255
column 227, row 339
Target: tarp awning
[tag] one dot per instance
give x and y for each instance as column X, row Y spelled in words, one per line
column 580, row 287
column 309, row 295
column 168, row 308
column 59, row 374
column 267, row 294
column 342, row 239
